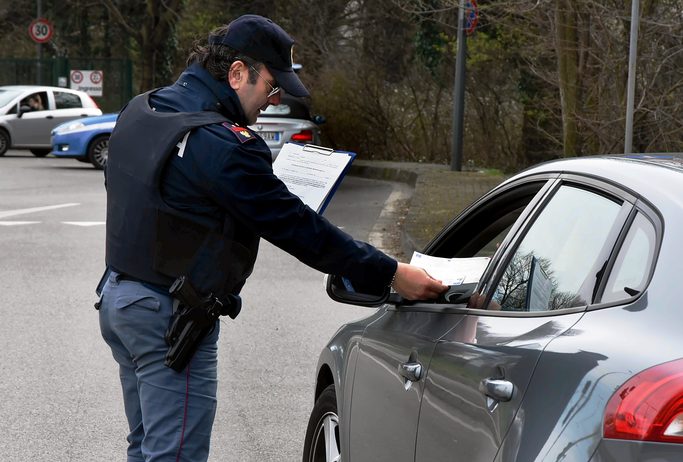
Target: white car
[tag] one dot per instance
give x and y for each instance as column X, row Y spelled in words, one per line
column 28, row 113
column 288, row 121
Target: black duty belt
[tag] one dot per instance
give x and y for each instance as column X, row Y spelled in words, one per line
column 164, row 290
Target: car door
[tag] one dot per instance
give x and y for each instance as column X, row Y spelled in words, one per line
column 68, row 106
column 396, row 349
column 537, row 289
column 394, row 355
column 32, row 127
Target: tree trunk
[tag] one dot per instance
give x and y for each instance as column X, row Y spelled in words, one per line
column 568, row 61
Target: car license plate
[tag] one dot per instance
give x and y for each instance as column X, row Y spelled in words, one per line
column 270, row 136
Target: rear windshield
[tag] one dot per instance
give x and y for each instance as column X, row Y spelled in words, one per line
column 290, row 108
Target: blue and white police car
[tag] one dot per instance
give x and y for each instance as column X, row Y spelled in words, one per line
column 86, row 139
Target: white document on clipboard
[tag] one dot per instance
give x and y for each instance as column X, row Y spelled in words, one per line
column 312, row 172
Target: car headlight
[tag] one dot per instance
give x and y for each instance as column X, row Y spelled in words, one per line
column 72, row 127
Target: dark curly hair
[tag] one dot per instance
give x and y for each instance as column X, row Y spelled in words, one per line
column 218, row 58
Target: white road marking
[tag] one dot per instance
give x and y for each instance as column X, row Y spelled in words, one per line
column 387, row 218
column 83, row 223
column 15, row 223
column 12, row 213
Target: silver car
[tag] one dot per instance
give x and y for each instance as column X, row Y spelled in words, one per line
column 289, row 121
column 569, row 347
column 28, row 113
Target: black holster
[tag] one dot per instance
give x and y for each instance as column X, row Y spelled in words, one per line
column 194, row 317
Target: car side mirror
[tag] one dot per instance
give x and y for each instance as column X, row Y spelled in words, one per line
column 340, row 290
column 458, row 294
column 23, row 108
column 318, row 119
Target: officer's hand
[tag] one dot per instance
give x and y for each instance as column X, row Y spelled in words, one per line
column 414, row 283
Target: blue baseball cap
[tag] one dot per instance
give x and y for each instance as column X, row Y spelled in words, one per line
column 263, row 40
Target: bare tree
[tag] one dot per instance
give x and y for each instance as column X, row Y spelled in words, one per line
column 151, row 25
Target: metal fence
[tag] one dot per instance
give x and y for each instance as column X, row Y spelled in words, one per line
column 118, row 76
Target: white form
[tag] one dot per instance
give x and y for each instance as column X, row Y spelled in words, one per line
column 451, row 271
column 310, row 172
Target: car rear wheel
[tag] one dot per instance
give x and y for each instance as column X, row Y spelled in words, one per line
column 98, row 151
column 322, row 434
column 4, row 142
column 40, row 152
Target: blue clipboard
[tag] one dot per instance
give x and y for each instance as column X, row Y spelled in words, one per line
column 326, row 152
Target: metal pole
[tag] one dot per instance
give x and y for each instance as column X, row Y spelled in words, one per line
column 632, row 56
column 459, row 92
column 39, row 47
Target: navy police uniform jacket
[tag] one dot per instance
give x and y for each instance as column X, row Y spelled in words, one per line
column 203, row 209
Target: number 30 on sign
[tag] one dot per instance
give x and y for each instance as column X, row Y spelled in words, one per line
column 40, row 30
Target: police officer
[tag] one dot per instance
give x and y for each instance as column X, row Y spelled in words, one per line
column 190, row 191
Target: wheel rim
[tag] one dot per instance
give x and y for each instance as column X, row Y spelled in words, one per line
column 100, row 152
column 326, row 445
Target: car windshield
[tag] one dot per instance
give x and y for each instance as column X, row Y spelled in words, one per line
column 7, row 95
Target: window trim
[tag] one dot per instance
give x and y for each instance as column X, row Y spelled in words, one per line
column 591, row 184
column 631, row 203
column 445, row 308
column 650, row 214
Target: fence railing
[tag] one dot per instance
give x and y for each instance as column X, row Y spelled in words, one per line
column 117, row 84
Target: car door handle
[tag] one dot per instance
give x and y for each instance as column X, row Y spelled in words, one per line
column 49, row 117
column 411, row 371
column 497, row 389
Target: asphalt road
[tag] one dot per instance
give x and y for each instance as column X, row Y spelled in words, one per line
column 61, row 399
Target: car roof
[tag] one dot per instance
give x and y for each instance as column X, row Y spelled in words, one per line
column 666, row 160
column 655, row 177
column 33, row 87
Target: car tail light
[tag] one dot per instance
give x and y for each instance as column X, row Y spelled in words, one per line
column 649, row 406
column 93, row 101
column 303, row 135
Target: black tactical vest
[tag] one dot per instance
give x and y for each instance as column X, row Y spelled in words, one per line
column 147, row 239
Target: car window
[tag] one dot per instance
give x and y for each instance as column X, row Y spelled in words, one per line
column 556, row 263
column 64, row 100
column 483, row 228
column 34, row 102
column 634, row 260
column 278, row 109
column 289, row 107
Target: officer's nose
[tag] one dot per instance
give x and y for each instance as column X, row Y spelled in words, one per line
column 275, row 99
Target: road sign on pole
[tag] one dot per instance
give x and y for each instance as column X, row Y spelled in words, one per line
column 40, row 30
column 90, row 82
column 471, row 16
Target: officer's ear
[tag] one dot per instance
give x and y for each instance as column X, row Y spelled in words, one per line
column 238, row 74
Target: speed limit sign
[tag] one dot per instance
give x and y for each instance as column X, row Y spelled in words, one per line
column 40, row 30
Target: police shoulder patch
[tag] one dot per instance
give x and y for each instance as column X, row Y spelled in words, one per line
column 242, row 134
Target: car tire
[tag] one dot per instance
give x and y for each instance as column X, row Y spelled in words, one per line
column 4, row 142
column 322, row 434
column 41, row 152
column 98, row 150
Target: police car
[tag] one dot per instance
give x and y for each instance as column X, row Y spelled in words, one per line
column 86, row 140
